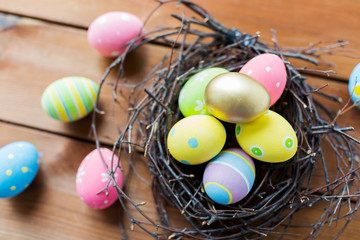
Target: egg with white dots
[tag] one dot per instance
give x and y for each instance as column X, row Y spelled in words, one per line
column 354, row 85
column 110, row 33
column 69, row 99
column 229, row 177
column 191, row 97
column 270, row 71
column 196, row 139
column 94, row 185
column 269, row 138
column 18, row 167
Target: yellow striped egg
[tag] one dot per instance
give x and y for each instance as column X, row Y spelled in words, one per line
column 70, row 98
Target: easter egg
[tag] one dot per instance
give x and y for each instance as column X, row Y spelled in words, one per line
column 18, row 167
column 92, row 178
column 235, row 97
column 270, row 71
column 191, row 97
column 70, row 98
column 110, row 33
column 229, row 176
column 269, row 138
column 196, row 139
column 354, row 84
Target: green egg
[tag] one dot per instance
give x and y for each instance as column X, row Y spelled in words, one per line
column 191, row 97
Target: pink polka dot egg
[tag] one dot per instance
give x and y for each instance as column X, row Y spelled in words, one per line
column 270, row 71
column 196, row 139
column 92, row 179
column 110, row 33
column 229, row 176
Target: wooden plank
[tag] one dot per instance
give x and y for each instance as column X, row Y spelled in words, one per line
column 296, row 25
column 34, row 54
column 50, row 207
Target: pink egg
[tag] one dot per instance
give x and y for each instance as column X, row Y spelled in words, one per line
column 92, row 178
column 270, row 71
column 110, row 32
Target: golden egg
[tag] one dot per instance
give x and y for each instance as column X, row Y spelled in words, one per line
column 236, row 98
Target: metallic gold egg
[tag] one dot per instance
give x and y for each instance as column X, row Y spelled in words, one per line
column 236, row 98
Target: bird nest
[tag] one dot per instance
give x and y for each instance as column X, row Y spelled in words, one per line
column 280, row 189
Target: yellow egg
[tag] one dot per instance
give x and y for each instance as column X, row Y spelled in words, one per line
column 236, row 98
column 196, row 139
column 269, row 138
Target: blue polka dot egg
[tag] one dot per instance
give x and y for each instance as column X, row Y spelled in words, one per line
column 18, row 168
column 354, row 85
column 229, row 176
column 196, row 139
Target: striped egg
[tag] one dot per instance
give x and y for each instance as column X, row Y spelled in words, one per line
column 229, row 176
column 70, row 98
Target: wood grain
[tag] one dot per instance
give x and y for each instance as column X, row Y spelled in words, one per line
column 50, row 207
column 297, row 24
column 34, row 53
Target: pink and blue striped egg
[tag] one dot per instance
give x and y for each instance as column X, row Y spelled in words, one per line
column 229, row 176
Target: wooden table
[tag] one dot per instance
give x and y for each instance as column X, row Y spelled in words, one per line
column 48, row 41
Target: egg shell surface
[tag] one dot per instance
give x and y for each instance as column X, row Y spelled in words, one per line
column 110, row 32
column 18, row 167
column 270, row 71
column 92, row 177
column 191, row 97
column 269, row 138
column 354, row 84
column 70, row 98
column 196, row 139
column 229, row 176
column 236, row 97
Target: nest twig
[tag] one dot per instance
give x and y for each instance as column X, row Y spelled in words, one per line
column 280, row 190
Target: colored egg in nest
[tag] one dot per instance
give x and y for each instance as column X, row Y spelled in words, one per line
column 196, row 139
column 229, row 176
column 235, row 97
column 191, row 97
column 269, row 70
column 269, row 138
